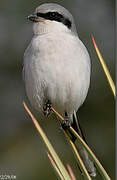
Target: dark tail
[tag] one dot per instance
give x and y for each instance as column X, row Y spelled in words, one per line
column 83, row 153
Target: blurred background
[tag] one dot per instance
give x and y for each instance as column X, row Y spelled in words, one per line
column 22, row 152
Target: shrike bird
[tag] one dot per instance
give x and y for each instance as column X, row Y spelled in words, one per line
column 57, row 67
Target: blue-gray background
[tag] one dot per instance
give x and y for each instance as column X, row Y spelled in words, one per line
column 22, row 151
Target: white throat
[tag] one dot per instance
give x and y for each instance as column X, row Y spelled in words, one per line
column 48, row 27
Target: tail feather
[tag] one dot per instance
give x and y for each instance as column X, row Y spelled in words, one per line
column 77, row 127
column 83, row 153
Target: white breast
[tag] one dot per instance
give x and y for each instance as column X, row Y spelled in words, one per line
column 57, row 68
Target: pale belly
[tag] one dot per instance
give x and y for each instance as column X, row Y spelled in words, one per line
column 65, row 87
column 62, row 79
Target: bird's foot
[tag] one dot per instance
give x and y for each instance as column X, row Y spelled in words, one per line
column 66, row 126
column 66, row 123
column 47, row 108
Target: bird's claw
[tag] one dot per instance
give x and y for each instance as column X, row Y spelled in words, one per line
column 47, row 108
column 65, row 124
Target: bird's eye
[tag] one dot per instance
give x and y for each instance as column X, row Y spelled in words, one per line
column 53, row 14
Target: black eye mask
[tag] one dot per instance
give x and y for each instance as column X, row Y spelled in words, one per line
column 55, row 16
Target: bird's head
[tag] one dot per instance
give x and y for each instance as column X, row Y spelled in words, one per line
column 51, row 17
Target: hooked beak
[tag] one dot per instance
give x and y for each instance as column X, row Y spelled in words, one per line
column 34, row 18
